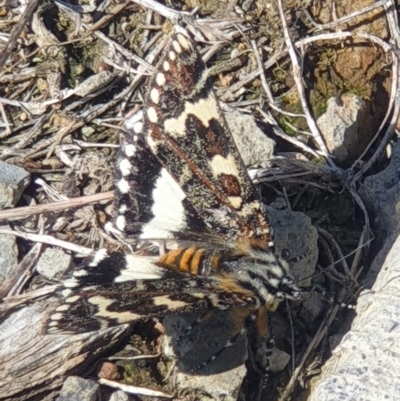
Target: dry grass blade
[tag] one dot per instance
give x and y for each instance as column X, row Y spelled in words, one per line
column 23, row 212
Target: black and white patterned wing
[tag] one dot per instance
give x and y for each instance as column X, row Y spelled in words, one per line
column 116, row 289
column 149, row 202
column 189, row 137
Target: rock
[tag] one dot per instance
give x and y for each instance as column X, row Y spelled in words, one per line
column 311, row 307
column 53, row 263
column 78, row 389
column 278, row 360
column 8, row 254
column 109, row 371
column 346, row 127
column 254, row 146
column 295, row 238
column 204, row 361
column 381, row 192
column 13, row 181
column 366, row 363
column 119, row 396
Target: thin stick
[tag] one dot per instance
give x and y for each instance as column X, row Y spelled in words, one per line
column 300, row 89
column 262, row 75
column 48, row 239
column 16, row 31
column 23, row 212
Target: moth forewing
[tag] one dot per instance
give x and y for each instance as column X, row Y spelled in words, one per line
column 188, row 134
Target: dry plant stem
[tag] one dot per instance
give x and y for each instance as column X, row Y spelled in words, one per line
column 133, row 389
column 357, row 257
column 393, row 21
column 360, row 203
column 262, row 75
column 214, row 49
column 16, row 31
column 129, row 55
column 348, row 18
column 20, row 272
column 7, row 125
column 27, row 269
column 327, row 36
column 321, row 333
column 23, row 212
column 146, row 31
column 174, row 16
column 329, row 238
column 300, row 89
column 309, row 183
column 278, row 177
column 393, row 109
column 364, row 37
column 133, row 358
column 88, row 116
column 271, row 100
column 330, row 271
column 103, row 21
column 289, row 114
column 34, row 131
column 268, row 119
column 18, row 78
column 48, row 239
column 83, row 144
column 293, row 351
column 253, row 75
column 10, row 302
column 51, row 193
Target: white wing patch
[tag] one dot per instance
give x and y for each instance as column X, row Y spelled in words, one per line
column 140, row 268
column 168, row 210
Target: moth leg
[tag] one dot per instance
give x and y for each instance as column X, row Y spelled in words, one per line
column 261, row 349
column 171, row 371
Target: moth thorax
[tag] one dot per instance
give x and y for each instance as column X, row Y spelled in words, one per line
column 268, row 277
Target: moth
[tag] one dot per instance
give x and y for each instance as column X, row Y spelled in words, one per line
column 180, row 175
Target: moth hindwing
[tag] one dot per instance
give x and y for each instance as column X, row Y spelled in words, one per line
column 116, row 289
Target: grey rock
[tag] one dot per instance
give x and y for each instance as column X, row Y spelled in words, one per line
column 312, row 306
column 345, row 126
column 381, row 192
column 78, row 389
column 53, row 263
column 204, row 362
column 119, row 396
column 365, row 365
column 13, row 181
column 278, row 360
column 296, row 237
column 254, row 146
column 8, row 254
